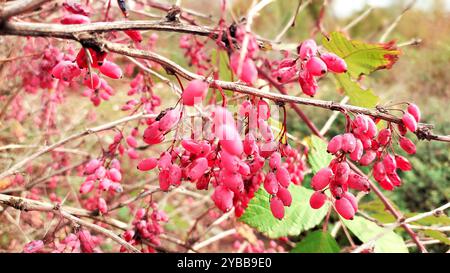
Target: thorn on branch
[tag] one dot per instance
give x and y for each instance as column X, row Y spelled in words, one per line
column 173, row 14
column 335, row 106
column 17, row 204
column 57, row 206
column 381, row 109
column 424, row 133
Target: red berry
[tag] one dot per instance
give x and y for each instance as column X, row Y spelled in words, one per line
column 350, row 197
column 407, row 145
column 175, row 174
column 104, row 184
column 229, row 139
column 402, row 129
column 337, row 190
column 271, row 183
column 410, row 122
column 195, row 92
column 135, row 35
column 358, row 151
column 277, row 207
column 229, row 162
column 285, row 196
column 91, row 166
column 317, row 200
column 368, row 157
column 197, row 168
column 357, row 182
column 384, row 137
column 111, row 70
column 114, row 174
column 169, row 120
column 321, row 179
column 308, row 83
column 379, row 172
column 131, row 141
column 233, row 181
column 348, row 143
column 283, row 177
column 345, row 208
column 316, row 66
column 223, row 198
column 403, row 163
column 386, row 184
column 342, row 172
column 335, row 144
column 164, row 183
column 249, row 73
column 275, row 160
column 93, row 82
column 389, row 163
column 75, row 19
column 102, row 207
column 308, row 49
column 395, row 179
column 334, row 62
column 87, row 186
column 414, row 111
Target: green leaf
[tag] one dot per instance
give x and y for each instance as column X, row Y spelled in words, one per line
column 318, row 156
column 358, row 96
column 219, row 59
column 361, row 57
column 317, row 242
column 124, row 214
column 366, row 230
column 298, row 217
column 438, row 235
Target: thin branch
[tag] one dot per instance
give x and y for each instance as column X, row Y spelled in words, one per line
column 25, row 204
column 394, row 24
column 390, row 227
column 63, row 32
column 63, row 141
column 291, row 22
column 332, row 118
column 19, row 7
column 357, row 19
column 423, row 131
column 215, row 238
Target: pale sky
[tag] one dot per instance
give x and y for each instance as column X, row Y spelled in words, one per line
column 345, row 8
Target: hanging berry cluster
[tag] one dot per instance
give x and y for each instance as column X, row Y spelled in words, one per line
column 309, row 64
column 103, row 176
column 234, row 167
column 147, row 226
column 365, row 145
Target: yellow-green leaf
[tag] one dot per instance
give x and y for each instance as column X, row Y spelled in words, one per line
column 358, row 96
column 318, row 157
column 438, row 235
column 365, row 230
column 317, row 242
column 361, row 57
column 298, row 217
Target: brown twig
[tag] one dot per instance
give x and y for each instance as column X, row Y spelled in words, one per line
column 63, row 141
column 19, row 7
column 67, row 213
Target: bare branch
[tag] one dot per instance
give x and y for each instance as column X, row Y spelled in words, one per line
column 19, row 7
column 63, row 141
column 66, row 212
